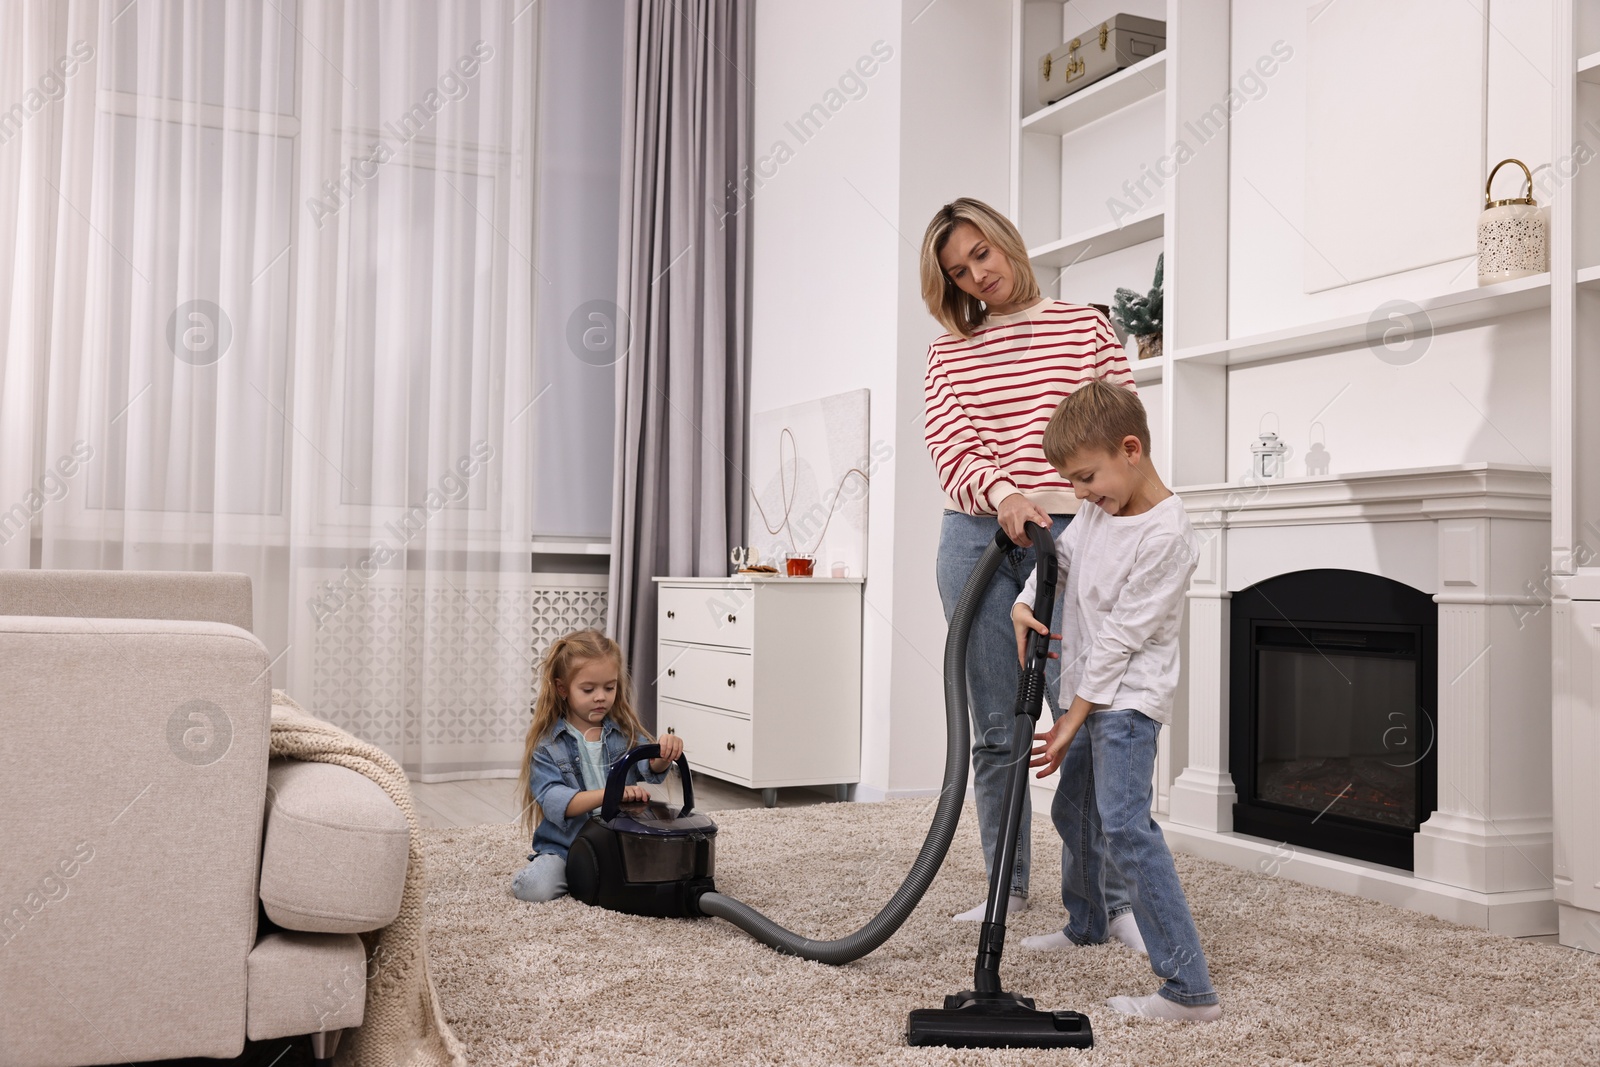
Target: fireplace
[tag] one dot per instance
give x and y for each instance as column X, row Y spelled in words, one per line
column 1332, row 726
column 1469, row 534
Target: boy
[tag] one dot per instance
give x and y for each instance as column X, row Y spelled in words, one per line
column 1125, row 563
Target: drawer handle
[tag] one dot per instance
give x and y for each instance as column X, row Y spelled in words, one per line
column 730, row 746
column 672, row 730
column 672, row 672
column 733, row 618
column 730, row 683
column 672, row 614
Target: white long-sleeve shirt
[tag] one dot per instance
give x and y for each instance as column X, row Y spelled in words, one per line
column 1124, row 577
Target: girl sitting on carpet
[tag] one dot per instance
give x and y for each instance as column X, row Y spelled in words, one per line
column 583, row 722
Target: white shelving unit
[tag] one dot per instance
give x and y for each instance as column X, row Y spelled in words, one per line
column 1102, row 99
column 1078, row 153
column 1441, row 312
column 1575, row 486
column 1147, row 371
column 1589, row 68
column 1145, row 226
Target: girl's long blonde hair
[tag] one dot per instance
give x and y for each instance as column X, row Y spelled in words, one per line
column 957, row 311
column 564, row 660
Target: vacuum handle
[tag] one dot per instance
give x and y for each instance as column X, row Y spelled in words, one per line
column 617, row 780
column 1045, row 572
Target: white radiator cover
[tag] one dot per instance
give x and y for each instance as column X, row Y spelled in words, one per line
column 440, row 675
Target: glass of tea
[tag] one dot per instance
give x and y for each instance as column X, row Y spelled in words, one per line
column 801, row 565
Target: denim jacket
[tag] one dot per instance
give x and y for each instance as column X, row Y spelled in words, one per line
column 558, row 777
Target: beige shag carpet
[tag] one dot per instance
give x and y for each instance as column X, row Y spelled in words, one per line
column 1306, row 976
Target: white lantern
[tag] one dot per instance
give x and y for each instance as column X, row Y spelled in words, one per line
column 1266, row 457
column 1511, row 234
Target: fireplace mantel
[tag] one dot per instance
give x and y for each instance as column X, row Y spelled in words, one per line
column 1466, row 490
column 1476, row 538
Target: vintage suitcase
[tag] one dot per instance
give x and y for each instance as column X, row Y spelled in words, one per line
column 1121, row 41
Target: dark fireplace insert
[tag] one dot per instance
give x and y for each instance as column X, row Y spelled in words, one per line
column 1333, row 687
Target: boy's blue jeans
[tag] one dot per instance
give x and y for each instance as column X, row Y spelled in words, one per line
column 992, row 673
column 1102, row 810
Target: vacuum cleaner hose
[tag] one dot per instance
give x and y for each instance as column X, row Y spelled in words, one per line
column 883, row 925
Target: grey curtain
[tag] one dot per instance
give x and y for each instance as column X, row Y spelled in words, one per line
column 683, row 290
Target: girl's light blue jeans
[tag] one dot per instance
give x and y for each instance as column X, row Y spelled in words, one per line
column 544, row 878
column 992, row 673
column 1102, row 810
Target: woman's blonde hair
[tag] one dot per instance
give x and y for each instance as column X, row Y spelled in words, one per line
column 957, row 311
column 565, row 658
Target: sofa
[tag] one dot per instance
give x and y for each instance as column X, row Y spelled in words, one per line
column 167, row 889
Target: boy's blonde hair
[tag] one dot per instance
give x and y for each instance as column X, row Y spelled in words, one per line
column 957, row 311
column 1095, row 415
column 565, row 658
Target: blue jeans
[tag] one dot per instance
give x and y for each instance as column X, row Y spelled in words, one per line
column 544, row 878
column 1102, row 810
column 992, row 674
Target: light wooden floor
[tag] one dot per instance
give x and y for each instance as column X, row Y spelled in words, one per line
column 492, row 800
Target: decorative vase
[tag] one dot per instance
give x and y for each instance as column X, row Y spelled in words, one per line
column 1150, row 346
column 1511, row 234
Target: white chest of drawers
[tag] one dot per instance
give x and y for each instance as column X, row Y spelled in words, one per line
column 761, row 677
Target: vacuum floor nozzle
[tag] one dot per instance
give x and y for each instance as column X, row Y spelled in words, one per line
column 1002, row 1020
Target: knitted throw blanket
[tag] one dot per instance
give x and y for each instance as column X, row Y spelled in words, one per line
column 404, row 1024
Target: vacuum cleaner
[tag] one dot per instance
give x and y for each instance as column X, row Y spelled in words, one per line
column 646, row 859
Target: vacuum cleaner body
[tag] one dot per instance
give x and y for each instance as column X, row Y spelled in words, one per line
column 644, row 859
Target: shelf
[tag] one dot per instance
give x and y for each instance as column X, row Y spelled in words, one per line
column 1582, row 585
column 1407, row 492
column 1142, row 227
column 1439, row 312
column 1147, row 371
column 1589, row 278
column 1588, row 68
column 1106, row 96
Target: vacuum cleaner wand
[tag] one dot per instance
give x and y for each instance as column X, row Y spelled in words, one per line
column 1030, row 699
column 986, row 1016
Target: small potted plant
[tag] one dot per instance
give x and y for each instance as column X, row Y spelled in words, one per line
column 1140, row 316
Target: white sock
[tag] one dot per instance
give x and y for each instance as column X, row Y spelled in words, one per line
column 1156, row 1006
column 1123, row 929
column 1126, row 930
column 1051, row 942
column 975, row 915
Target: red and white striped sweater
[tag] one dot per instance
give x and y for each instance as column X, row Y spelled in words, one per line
column 990, row 396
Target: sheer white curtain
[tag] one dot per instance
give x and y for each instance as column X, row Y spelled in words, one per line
column 267, row 299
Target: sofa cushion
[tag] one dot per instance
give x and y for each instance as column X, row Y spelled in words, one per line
column 335, row 851
column 303, row 983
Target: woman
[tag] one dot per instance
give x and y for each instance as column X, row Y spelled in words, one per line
column 1009, row 356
